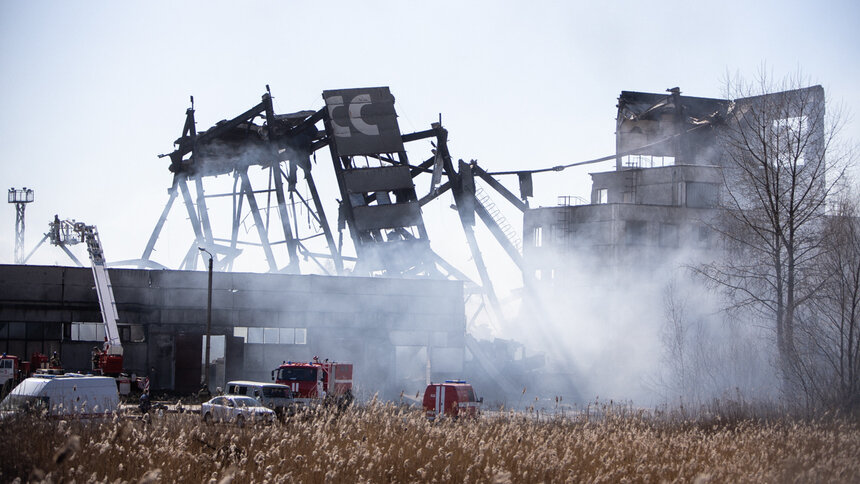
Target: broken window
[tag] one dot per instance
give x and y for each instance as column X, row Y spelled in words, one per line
column 602, row 195
column 131, row 333
column 136, row 333
column 646, row 161
column 634, row 232
column 702, row 195
column 789, row 134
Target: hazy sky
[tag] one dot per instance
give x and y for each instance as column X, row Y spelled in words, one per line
column 92, row 92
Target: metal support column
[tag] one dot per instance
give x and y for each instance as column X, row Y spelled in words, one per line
column 466, row 220
column 258, row 220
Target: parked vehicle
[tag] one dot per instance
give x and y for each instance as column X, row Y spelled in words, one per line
column 236, row 409
column 272, row 395
column 10, row 373
column 317, row 381
column 71, row 394
column 13, row 370
column 453, row 398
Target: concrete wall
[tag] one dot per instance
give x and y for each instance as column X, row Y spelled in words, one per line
column 623, row 238
column 653, row 186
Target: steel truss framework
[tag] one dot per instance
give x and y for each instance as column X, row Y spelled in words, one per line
column 379, row 204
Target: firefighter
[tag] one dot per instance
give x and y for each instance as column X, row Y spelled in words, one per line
column 145, row 404
column 96, row 352
column 55, row 361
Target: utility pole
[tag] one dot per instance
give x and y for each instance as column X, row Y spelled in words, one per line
column 20, row 198
column 208, row 323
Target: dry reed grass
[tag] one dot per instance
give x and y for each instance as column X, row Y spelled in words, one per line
column 385, row 443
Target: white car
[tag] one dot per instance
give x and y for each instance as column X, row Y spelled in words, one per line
column 237, row 409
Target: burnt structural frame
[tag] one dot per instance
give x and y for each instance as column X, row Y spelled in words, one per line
column 282, row 138
column 294, row 138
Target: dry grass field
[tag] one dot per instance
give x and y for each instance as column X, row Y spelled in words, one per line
column 385, row 443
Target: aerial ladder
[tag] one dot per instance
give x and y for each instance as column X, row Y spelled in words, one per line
column 108, row 360
column 62, row 233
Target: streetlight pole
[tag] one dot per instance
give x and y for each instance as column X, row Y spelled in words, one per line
column 208, row 322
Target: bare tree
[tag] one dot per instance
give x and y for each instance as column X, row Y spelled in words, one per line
column 675, row 340
column 779, row 168
column 706, row 354
column 836, row 336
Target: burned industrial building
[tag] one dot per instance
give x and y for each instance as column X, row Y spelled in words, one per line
column 402, row 327
column 387, row 302
column 396, row 332
column 615, row 265
column 662, row 198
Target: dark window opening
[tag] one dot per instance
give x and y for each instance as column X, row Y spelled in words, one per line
column 634, row 232
column 270, row 392
column 702, row 195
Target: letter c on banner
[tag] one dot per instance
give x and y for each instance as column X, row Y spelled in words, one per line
column 339, row 131
column 355, row 118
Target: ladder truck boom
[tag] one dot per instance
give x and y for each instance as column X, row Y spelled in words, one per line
column 104, row 289
column 106, row 360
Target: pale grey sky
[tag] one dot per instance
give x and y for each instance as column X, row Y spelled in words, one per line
column 93, row 91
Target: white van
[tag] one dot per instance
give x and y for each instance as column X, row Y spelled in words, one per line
column 63, row 395
column 271, row 395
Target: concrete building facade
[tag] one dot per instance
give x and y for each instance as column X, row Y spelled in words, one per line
column 671, row 170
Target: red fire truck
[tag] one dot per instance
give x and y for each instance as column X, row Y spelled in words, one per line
column 13, row 370
column 317, row 381
column 453, row 398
